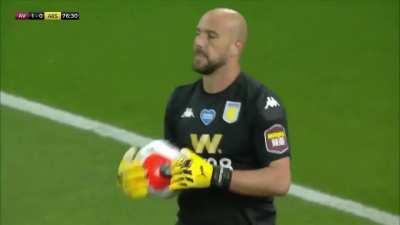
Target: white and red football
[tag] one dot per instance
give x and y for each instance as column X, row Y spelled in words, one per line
column 157, row 157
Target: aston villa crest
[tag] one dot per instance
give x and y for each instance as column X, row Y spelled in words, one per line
column 231, row 111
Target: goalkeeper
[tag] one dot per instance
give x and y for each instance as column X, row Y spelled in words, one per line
column 232, row 131
column 236, row 129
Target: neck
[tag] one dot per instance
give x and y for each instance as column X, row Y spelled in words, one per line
column 220, row 79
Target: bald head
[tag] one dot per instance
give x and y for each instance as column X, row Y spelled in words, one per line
column 231, row 20
column 220, row 38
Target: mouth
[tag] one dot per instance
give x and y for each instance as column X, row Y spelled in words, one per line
column 200, row 54
column 200, row 58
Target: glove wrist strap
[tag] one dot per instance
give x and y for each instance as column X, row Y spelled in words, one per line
column 221, row 177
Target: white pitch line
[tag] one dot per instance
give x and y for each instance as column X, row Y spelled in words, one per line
column 132, row 138
column 71, row 119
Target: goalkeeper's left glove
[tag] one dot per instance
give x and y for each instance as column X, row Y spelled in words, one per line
column 192, row 171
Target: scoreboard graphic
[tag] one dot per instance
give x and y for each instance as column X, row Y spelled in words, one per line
column 47, row 16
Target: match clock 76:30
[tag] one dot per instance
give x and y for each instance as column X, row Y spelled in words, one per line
column 70, row 15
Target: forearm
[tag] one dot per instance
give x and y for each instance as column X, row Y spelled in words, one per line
column 268, row 181
column 192, row 171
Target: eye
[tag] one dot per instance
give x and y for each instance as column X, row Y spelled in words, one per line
column 212, row 35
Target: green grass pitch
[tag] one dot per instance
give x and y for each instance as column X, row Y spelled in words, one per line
column 335, row 64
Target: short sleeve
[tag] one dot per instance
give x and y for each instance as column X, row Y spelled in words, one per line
column 169, row 128
column 270, row 128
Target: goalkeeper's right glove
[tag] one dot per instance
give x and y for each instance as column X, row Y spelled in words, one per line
column 132, row 176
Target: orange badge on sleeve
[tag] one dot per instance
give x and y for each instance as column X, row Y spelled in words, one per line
column 276, row 139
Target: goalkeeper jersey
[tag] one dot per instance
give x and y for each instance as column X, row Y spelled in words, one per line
column 243, row 127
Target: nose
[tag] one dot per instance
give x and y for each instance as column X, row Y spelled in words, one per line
column 200, row 41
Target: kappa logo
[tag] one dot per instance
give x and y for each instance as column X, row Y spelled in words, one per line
column 271, row 103
column 188, row 113
column 231, row 111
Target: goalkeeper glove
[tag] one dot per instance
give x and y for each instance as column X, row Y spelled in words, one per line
column 192, row 171
column 132, row 176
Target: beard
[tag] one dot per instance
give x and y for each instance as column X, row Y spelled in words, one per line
column 209, row 67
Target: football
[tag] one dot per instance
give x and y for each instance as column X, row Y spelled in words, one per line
column 157, row 157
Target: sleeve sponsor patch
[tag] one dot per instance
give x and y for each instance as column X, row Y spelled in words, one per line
column 276, row 139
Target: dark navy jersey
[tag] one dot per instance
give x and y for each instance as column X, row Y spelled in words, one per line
column 242, row 127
